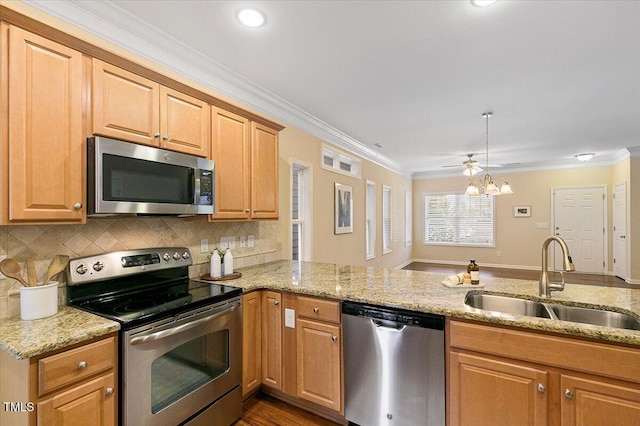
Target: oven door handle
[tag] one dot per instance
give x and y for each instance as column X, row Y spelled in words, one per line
column 171, row 331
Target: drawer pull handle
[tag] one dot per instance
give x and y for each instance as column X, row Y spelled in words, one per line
column 109, row 391
column 82, row 365
column 316, row 310
column 334, row 338
column 541, row 388
column 568, row 393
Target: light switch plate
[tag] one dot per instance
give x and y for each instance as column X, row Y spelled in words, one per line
column 228, row 242
column 250, row 241
column 289, row 318
column 542, row 225
column 204, row 245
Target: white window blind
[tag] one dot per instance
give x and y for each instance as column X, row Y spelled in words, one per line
column 408, row 218
column 456, row 219
column 386, row 219
column 371, row 219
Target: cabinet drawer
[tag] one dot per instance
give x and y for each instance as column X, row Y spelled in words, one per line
column 67, row 367
column 319, row 309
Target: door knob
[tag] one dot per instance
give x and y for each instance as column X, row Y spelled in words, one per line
column 334, row 338
column 77, row 206
column 541, row 388
column 316, row 310
column 82, row 365
column 568, row 394
column 276, row 302
column 109, row 391
column 165, row 137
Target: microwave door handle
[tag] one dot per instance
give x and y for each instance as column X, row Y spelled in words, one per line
column 175, row 330
column 195, row 181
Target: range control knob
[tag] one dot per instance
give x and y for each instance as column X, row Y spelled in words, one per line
column 81, row 269
column 185, row 255
column 166, row 257
column 98, row 266
column 176, row 255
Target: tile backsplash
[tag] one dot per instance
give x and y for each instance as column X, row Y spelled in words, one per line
column 43, row 242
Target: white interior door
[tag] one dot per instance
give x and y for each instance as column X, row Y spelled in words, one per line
column 620, row 230
column 579, row 219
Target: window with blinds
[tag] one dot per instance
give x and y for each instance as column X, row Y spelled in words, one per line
column 371, row 219
column 386, row 219
column 457, row 219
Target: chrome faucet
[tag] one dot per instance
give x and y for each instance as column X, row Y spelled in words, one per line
column 546, row 286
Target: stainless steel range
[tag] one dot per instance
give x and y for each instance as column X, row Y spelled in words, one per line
column 180, row 340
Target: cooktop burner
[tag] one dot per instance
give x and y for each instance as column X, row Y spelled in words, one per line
column 140, row 286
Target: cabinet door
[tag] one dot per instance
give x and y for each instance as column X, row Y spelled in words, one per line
column 251, row 342
column 230, row 149
column 484, row 391
column 125, row 105
column 93, row 403
column 593, row 402
column 264, row 172
column 45, row 130
column 272, row 339
column 319, row 363
column 184, row 123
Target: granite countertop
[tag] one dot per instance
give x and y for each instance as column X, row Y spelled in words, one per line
column 423, row 291
column 26, row 339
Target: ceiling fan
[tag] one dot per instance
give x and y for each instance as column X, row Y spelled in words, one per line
column 470, row 166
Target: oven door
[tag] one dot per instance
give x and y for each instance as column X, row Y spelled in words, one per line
column 178, row 366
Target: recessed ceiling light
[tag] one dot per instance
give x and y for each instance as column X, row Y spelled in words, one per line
column 251, row 17
column 585, row 157
column 483, row 3
column 377, row 145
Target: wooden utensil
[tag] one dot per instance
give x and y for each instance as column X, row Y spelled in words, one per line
column 57, row 265
column 11, row 269
column 32, row 278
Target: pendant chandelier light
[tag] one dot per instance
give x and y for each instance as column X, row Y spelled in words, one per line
column 487, row 185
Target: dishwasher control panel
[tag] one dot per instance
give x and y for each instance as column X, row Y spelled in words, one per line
column 398, row 316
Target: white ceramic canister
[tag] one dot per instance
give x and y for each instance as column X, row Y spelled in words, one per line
column 40, row 301
column 228, row 262
column 215, row 269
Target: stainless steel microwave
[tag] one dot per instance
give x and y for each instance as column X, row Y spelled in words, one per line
column 124, row 177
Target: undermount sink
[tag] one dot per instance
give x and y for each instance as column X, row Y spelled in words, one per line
column 518, row 306
column 506, row 305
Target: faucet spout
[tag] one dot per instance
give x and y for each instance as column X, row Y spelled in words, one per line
column 546, row 286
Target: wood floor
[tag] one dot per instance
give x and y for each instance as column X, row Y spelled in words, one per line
column 570, row 277
column 262, row 410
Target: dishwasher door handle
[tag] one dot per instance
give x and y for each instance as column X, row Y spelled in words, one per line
column 398, row 328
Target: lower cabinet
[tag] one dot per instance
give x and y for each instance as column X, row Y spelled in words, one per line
column 72, row 386
column 502, row 376
column 299, row 359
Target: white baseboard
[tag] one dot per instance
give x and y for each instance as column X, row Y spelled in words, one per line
column 402, row 265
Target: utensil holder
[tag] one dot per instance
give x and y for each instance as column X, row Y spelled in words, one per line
column 38, row 302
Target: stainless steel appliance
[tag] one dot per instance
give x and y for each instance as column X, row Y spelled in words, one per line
column 123, row 177
column 394, row 366
column 180, row 340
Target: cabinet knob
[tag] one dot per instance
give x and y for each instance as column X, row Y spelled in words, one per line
column 276, row 302
column 77, row 206
column 165, row 138
column 82, row 365
column 334, row 338
column 541, row 388
column 247, row 210
column 109, row 391
column 256, row 210
column 157, row 135
column 316, row 310
column 568, row 393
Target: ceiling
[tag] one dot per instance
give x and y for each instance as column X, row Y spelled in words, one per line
column 561, row 77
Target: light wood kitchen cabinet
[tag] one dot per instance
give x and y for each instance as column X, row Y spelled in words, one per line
column 504, row 376
column 246, row 156
column 251, row 342
column 231, row 152
column 319, row 352
column 272, row 339
column 133, row 108
column 42, row 130
column 71, row 386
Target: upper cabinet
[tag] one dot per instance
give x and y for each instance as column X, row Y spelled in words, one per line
column 130, row 107
column 42, row 130
column 246, row 157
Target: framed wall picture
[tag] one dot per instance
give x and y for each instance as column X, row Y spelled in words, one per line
column 522, row 211
column 343, row 208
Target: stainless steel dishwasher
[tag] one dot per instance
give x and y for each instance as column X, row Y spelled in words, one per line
column 394, row 366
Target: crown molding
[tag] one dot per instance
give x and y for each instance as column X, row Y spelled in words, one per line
column 105, row 19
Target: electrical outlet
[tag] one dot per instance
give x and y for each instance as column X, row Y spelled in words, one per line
column 204, row 245
column 228, row 242
column 250, row 241
column 243, row 241
column 498, row 253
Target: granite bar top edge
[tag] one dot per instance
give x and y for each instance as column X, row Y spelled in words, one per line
column 27, row 339
column 423, row 292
